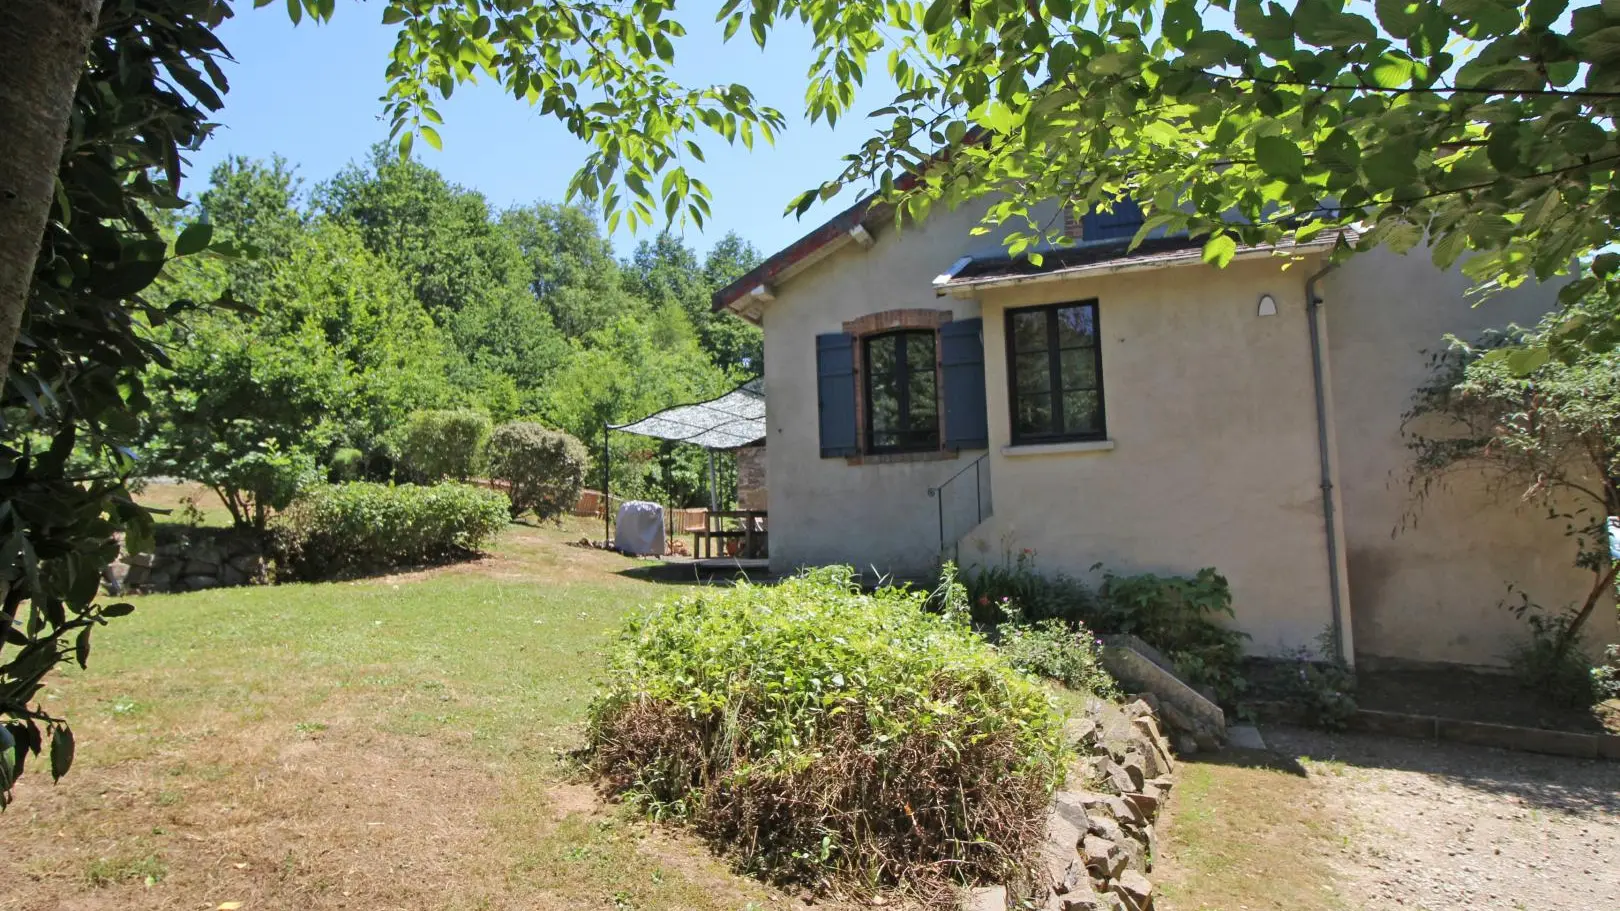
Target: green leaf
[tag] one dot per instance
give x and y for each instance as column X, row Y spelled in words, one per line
column 1318, row 22
column 61, row 751
column 194, row 239
column 1391, row 71
column 1401, row 17
column 1525, row 361
column 81, row 647
column 392, row 15
column 1340, row 154
column 295, row 11
column 1493, row 17
column 939, row 15
column 1219, row 250
column 432, row 137
column 1602, row 46
column 1391, row 167
column 121, row 609
column 1280, row 158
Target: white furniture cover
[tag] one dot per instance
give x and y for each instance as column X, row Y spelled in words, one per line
column 640, row 530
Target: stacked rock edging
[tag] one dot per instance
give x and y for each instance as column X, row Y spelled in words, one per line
column 1100, row 838
column 191, row 560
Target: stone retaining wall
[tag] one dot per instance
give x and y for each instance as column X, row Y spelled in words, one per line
column 1100, row 838
column 192, row 560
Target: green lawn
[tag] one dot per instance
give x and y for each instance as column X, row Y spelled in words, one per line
column 398, row 742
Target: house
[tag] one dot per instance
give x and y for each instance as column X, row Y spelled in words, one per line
column 1139, row 409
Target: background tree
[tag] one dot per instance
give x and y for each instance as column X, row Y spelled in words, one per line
column 571, row 269
column 466, row 271
column 335, row 354
column 667, row 272
column 1549, row 436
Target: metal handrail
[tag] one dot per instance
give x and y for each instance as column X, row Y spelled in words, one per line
column 978, row 497
column 946, row 483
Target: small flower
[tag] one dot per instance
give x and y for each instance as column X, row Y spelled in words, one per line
column 984, row 600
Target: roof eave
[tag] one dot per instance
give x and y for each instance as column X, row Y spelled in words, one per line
column 968, row 288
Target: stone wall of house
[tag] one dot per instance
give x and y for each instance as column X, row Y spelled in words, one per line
column 751, row 487
column 191, row 560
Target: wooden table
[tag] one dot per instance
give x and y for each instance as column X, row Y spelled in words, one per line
column 753, row 532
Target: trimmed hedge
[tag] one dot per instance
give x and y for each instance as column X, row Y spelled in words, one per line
column 444, row 444
column 829, row 734
column 364, row 526
column 541, row 469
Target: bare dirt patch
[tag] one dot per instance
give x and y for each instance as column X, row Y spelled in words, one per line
column 340, row 817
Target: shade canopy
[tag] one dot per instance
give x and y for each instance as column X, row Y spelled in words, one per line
column 732, row 420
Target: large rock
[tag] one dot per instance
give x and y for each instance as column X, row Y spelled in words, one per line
column 145, row 559
column 1070, row 807
column 1105, row 859
column 1135, row 890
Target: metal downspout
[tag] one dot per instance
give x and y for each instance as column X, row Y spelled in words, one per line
column 1313, row 306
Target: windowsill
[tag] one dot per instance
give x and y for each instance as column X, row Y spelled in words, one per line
column 1071, row 448
column 890, row 458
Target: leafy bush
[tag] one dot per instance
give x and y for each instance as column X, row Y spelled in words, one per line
column 1017, row 585
column 828, row 734
column 365, row 526
column 1606, row 675
column 542, row 470
column 444, row 444
column 1050, row 648
column 1177, row 615
column 258, row 483
column 348, row 464
column 1322, row 685
column 1550, row 662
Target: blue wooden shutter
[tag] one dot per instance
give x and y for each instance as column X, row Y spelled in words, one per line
column 835, row 394
column 1120, row 224
column 961, row 358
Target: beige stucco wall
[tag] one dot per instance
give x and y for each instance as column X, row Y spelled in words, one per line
column 825, row 510
column 1431, row 592
column 1214, row 459
column 1210, row 411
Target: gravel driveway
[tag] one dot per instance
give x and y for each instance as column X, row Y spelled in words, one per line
column 1450, row 826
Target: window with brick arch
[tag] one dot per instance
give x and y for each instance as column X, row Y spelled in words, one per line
column 902, row 391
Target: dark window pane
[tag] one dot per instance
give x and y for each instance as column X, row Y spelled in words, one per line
column 1029, row 331
column 1080, row 412
column 1034, row 372
column 1079, row 369
column 919, row 351
column 880, row 353
column 1033, row 414
column 902, row 391
column 1076, row 326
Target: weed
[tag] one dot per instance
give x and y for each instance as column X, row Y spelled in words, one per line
column 1550, row 662
column 106, row 871
column 1050, row 648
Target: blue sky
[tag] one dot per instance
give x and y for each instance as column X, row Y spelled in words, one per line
column 309, row 93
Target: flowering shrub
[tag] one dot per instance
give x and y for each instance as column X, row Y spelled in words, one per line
column 1050, row 648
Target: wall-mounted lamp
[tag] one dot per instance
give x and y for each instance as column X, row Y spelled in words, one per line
column 1268, row 305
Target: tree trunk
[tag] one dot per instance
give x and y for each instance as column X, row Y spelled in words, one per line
column 44, row 44
column 1600, row 586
